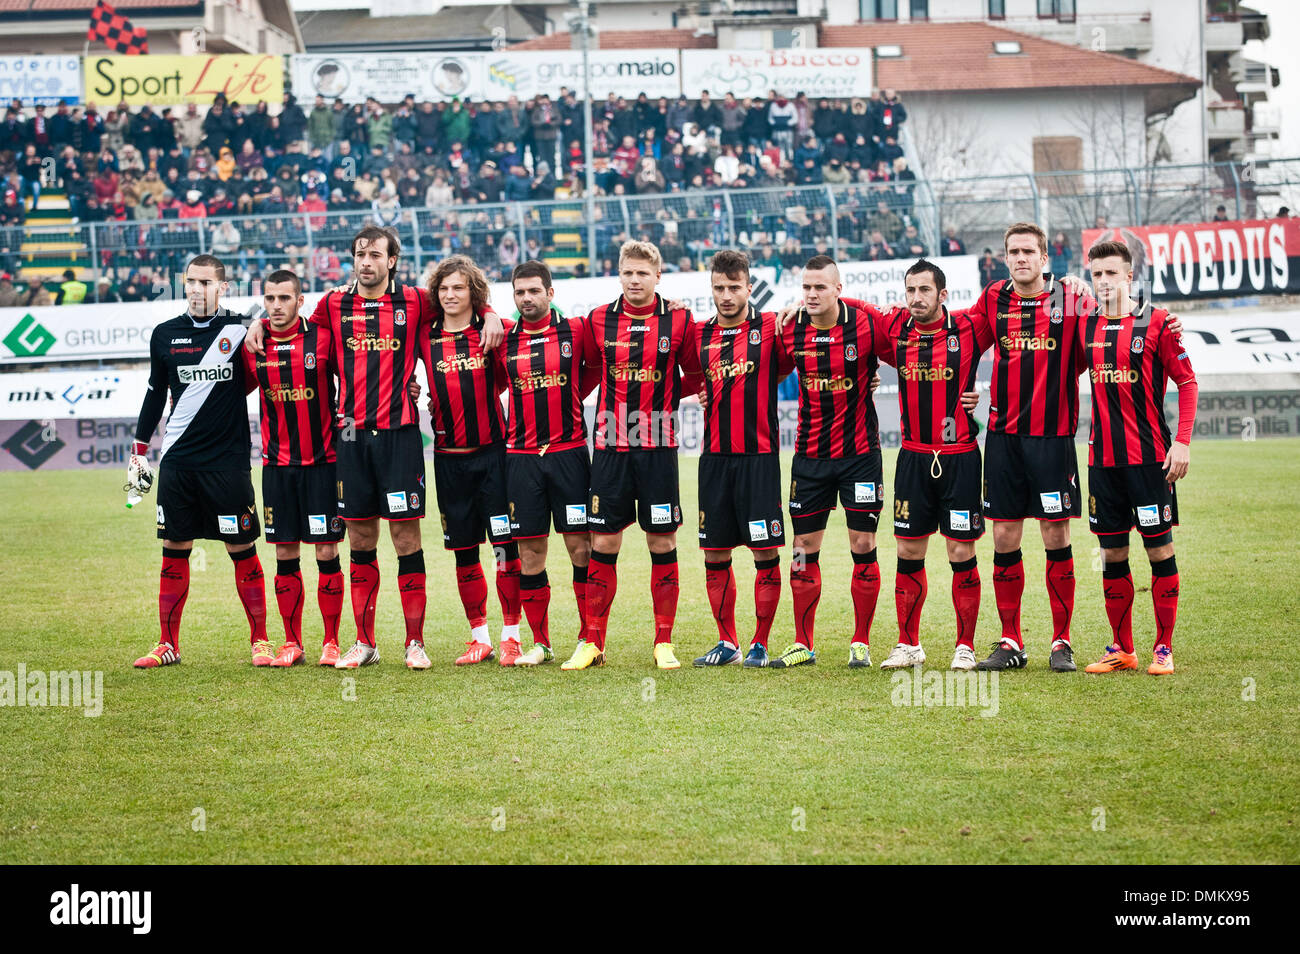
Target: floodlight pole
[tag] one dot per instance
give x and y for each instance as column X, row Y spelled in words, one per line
column 584, row 27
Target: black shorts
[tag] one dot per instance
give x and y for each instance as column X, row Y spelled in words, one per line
column 634, row 484
column 301, row 504
column 1030, row 477
column 949, row 503
column 548, row 487
column 1121, row 498
column 381, row 474
column 740, row 502
column 207, row 505
column 472, row 497
column 814, row 482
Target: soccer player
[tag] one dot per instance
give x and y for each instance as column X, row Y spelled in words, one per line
column 295, row 381
column 1131, row 354
column 648, row 355
column 743, row 358
column 548, row 469
column 469, row 464
column 937, row 479
column 205, row 489
column 1030, row 464
column 377, row 328
column 837, row 453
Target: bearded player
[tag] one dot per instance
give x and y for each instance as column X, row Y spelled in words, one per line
column 1133, row 464
column 937, row 478
column 205, row 490
column 743, row 359
column 548, row 470
column 378, row 328
column 295, row 381
column 465, row 384
column 648, row 355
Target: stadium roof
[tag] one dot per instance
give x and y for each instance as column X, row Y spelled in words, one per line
column 939, row 57
column 627, row 40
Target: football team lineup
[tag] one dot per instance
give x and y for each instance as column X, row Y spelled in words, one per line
column 342, row 452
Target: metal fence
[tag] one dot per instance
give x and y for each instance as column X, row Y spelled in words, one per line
column 784, row 225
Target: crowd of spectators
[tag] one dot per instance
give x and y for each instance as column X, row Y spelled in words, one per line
column 251, row 174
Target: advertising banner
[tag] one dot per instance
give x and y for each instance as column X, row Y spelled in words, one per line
column 1212, row 259
column 833, row 71
column 389, row 77
column 40, row 80
column 174, row 80
column 627, row 73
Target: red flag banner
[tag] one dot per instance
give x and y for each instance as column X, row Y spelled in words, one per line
column 1212, row 259
column 116, row 31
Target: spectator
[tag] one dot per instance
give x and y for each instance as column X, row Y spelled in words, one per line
column 648, row 176
column 38, row 296
column 320, row 125
column 30, row 169
column 379, row 129
column 951, row 244
column 1220, row 215
column 225, row 239
column 1059, row 256
column 508, row 253
column 8, row 294
column 679, row 114
column 890, row 116
column 292, row 121
column 992, row 268
column 878, row 248
column 886, row 222
column 912, row 245
column 782, row 118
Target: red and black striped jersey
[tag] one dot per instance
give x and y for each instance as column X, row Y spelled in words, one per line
column 1037, row 359
column 934, row 368
column 837, row 417
column 647, row 358
column 466, row 385
column 1130, row 361
column 295, row 382
column 548, row 381
column 742, row 367
column 376, row 343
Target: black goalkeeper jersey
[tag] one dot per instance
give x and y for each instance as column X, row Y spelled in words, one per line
column 200, row 364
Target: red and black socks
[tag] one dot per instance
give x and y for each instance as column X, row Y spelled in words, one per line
column 865, row 589
column 329, row 596
column 1060, row 591
column 1009, row 589
column 288, row 597
column 364, row 583
column 806, row 589
column 602, row 584
column 664, row 588
column 580, row 595
column 767, row 596
column 473, row 592
column 535, row 598
column 909, row 597
column 966, row 600
column 508, row 571
column 410, row 584
column 720, row 581
column 173, row 588
column 1117, row 587
column 251, row 586
column 1164, row 595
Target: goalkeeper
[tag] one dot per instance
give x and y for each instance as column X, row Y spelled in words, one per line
column 205, row 490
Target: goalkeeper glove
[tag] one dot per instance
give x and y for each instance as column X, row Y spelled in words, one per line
column 139, row 475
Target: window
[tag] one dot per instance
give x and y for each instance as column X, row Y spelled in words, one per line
column 920, row 9
column 878, row 9
column 1058, row 154
column 1062, row 10
column 997, row 9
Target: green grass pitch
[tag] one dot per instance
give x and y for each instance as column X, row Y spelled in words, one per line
column 629, row 764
